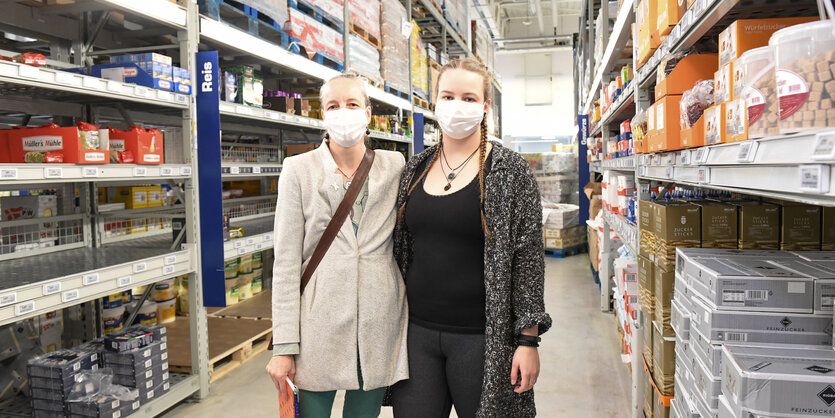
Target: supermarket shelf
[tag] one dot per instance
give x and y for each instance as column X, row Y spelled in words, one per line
column 792, row 167
column 71, row 173
column 269, row 116
column 258, row 236
column 34, row 285
column 619, row 164
column 39, row 82
column 627, row 232
column 241, row 169
column 390, row 137
column 617, row 41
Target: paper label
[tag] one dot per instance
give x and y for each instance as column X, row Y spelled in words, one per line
column 792, row 91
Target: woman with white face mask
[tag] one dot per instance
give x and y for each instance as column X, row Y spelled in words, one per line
column 469, row 244
column 346, row 329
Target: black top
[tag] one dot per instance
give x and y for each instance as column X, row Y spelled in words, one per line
column 445, row 280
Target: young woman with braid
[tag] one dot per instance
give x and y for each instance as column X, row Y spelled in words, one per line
column 469, row 243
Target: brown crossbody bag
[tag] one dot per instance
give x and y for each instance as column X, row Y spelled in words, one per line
column 332, row 230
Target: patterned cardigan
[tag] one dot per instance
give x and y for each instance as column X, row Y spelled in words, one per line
column 514, row 272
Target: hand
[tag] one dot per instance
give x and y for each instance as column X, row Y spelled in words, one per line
column 526, row 362
column 280, row 368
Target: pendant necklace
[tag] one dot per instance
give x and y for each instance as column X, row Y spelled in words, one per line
column 350, row 178
column 453, row 174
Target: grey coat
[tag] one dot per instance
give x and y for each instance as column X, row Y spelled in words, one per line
column 514, row 272
column 355, row 302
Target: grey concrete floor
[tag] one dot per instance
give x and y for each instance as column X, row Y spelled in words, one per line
column 582, row 373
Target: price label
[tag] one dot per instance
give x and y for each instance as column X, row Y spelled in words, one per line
column 28, row 71
column 90, row 172
column 8, row 299
column 185, row 171
column 250, row 241
column 256, row 170
column 258, row 247
column 234, row 170
column 51, row 288
column 89, row 279
column 268, row 237
column 140, row 267
column 25, row 308
column 171, row 259
column 747, row 152
column 824, row 148
column 163, row 95
column 241, row 251
column 124, row 281
column 140, row 171
column 684, row 157
column 63, row 77
column 168, row 270
column 70, row 295
column 142, row 91
column 704, row 175
column 166, row 171
column 53, row 172
column 239, row 244
column 92, row 82
column 8, row 174
column 114, row 86
column 814, row 178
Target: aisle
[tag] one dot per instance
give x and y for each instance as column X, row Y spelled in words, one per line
column 581, row 370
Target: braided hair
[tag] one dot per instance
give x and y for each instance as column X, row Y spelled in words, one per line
column 478, row 68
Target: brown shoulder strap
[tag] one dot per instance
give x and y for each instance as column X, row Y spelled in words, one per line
column 339, row 217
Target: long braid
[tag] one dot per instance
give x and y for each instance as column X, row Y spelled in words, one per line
column 482, row 156
column 402, row 210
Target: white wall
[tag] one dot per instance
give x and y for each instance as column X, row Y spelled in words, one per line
column 544, row 120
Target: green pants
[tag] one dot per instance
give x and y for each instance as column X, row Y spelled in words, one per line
column 358, row 403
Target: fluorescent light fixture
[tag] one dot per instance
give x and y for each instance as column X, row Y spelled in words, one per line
column 160, row 10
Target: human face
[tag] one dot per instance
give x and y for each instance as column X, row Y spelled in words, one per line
column 463, row 85
column 344, row 93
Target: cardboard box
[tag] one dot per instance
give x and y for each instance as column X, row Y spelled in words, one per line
column 663, row 360
column 713, row 122
column 743, row 35
column 828, row 229
column 736, row 120
column 687, row 72
column 664, row 282
column 146, row 145
column 759, row 226
column 36, row 145
column 668, row 15
column 800, row 227
column 720, row 225
column 667, row 113
column 295, row 149
column 134, row 197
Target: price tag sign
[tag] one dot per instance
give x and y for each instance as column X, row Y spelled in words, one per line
column 25, row 308
column 8, row 174
column 8, row 299
column 256, row 170
column 89, row 279
column 70, row 295
column 168, row 270
column 51, row 288
column 185, row 171
column 28, row 71
column 140, row 267
column 814, row 178
column 824, row 148
column 747, row 151
column 140, row 171
column 53, row 172
column 114, row 86
column 141, row 91
column 124, row 281
column 90, row 172
column 234, row 170
column 703, row 175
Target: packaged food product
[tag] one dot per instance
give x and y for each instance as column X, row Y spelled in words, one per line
column 805, row 59
column 756, row 84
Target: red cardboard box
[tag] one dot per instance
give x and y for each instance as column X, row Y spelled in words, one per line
column 52, row 143
column 146, row 145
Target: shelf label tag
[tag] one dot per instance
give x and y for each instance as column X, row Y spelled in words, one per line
column 747, row 152
column 239, row 243
column 256, row 170
column 70, row 295
column 241, row 251
column 704, row 175
column 124, row 281
column 89, row 279
column 114, row 86
column 51, row 288
column 63, row 77
column 185, row 171
column 140, row 171
column 53, row 172
column 141, row 91
column 166, row 171
column 234, row 170
column 90, row 172
column 140, row 267
column 824, row 148
column 25, row 308
column 8, row 299
column 8, row 174
column 28, row 71
column 171, row 259
column 168, row 270
column 684, row 157
column 814, row 178
column 92, row 82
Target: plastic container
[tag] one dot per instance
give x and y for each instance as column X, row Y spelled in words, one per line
column 113, row 318
column 804, row 56
column 166, row 311
column 755, row 82
column 147, row 314
column 164, row 290
column 112, row 301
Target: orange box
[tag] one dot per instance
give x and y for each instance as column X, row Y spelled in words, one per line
column 667, row 123
column 669, row 12
column 51, row 140
column 714, row 127
column 146, row 144
column 736, row 120
column 743, row 35
column 723, row 84
column 689, row 70
column 694, row 136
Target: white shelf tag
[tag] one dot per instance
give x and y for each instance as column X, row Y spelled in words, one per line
column 114, row 86
column 24, row 308
column 140, row 171
column 171, row 259
column 168, row 270
column 747, row 152
column 70, row 295
column 684, row 157
column 185, row 171
column 8, row 174
column 92, row 82
column 141, row 91
column 124, row 281
column 166, row 171
column 814, row 178
column 90, row 172
column 53, row 172
column 28, row 71
column 241, row 251
column 89, row 279
column 163, row 95
column 704, row 175
column 824, row 148
column 140, row 267
column 234, row 170
column 8, row 299
column 51, row 288
column 256, row 170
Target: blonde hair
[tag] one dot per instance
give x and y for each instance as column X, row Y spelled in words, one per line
column 360, row 82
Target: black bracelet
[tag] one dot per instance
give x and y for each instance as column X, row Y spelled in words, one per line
column 528, row 340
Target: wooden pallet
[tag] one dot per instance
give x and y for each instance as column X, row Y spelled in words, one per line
column 231, row 343
column 367, row 37
column 566, row 252
column 257, row 307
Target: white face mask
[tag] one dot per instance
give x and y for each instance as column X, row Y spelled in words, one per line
column 459, row 119
column 346, row 126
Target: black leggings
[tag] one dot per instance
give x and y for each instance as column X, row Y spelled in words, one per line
column 445, row 369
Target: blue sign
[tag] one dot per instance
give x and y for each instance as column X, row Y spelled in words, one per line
column 209, row 177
